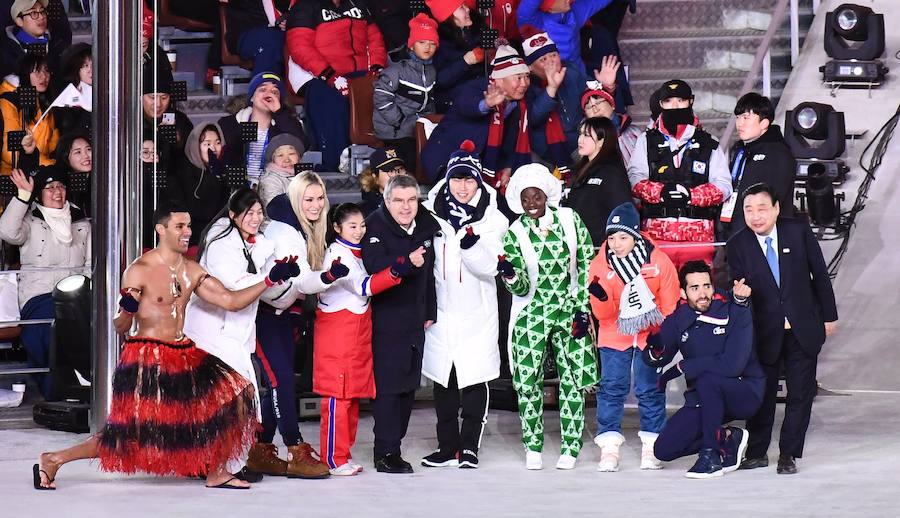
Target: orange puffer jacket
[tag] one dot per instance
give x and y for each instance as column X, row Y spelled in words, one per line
column 661, row 278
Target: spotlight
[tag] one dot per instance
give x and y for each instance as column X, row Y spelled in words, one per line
column 70, row 362
column 820, row 196
column 816, row 134
column 854, row 39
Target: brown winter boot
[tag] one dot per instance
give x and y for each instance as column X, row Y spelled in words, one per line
column 264, row 459
column 303, row 463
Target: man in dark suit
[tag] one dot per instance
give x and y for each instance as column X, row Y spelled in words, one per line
column 794, row 310
column 399, row 235
column 761, row 155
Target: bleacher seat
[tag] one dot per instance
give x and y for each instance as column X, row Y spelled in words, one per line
column 362, row 129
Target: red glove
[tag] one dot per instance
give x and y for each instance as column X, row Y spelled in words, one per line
column 650, row 192
column 706, row 195
column 478, row 52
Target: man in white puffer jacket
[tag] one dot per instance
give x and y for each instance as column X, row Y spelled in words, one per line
column 461, row 353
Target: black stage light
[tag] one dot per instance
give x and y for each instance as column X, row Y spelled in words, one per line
column 71, row 348
column 816, row 133
column 854, row 39
column 820, row 196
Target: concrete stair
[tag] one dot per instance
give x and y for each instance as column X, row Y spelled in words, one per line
column 709, row 43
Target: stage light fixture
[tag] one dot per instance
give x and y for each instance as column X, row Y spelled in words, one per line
column 816, row 134
column 71, row 348
column 854, row 39
column 820, row 199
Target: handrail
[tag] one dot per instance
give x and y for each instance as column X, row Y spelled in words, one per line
column 762, row 62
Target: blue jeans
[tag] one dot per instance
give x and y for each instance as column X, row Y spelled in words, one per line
column 615, row 383
column 36, row 338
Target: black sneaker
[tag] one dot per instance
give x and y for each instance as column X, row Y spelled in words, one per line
column 441, row 459
column 708, row 465
column 468, row 459
column 248, row 475
column 734, row 447
column 392, row 463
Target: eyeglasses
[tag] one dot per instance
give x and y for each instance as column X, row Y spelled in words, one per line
column 35, row 15
column 595, row 103
column 395, row 171
column 55, row 187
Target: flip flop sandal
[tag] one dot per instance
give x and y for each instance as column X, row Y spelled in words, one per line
column 227, row 485
column 36, row 473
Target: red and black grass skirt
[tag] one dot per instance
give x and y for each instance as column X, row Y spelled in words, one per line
column 176, row 410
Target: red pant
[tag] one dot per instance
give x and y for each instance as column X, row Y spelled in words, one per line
column 682, row 252
column 337, row 429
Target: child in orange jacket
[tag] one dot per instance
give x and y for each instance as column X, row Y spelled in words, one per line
column 633, row 287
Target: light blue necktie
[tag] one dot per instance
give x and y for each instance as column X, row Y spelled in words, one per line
column 772, row 259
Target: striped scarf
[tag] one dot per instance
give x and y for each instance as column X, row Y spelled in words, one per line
column 637, row 307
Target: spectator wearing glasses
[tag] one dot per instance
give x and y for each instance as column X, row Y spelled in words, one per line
column 50, row 232
column 385, row 163
column 32, row 26
column 40, row 140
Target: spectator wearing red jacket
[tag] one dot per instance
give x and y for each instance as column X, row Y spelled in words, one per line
column 334, row 40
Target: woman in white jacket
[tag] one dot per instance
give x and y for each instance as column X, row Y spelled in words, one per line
column 233, row 251
column 461, row 352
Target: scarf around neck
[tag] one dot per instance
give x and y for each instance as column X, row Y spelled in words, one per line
column 492, row 152
column 59, row 221
column 637, row 306
column 460, row 214
column 28, row 39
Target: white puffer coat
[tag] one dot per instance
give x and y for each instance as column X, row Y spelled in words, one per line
column 465, row 332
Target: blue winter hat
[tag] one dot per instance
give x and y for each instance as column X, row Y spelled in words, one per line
column 464, row 163
column 624, row 218
column 264, row 77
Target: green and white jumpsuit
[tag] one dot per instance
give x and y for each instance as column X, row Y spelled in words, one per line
column 551, row 257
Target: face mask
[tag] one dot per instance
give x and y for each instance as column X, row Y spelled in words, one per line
column 672, row 118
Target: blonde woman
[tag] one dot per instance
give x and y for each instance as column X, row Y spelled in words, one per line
column 297, row 227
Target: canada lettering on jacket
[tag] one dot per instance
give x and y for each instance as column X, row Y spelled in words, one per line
column 329, row 15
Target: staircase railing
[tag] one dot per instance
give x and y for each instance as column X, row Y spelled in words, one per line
column 762, row 62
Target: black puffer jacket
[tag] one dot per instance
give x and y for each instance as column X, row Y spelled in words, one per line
column 597, row 192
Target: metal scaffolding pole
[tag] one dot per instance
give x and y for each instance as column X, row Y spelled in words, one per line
column 116, row 179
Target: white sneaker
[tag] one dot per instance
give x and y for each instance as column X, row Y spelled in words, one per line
column 565, row 462
column 609, row 443
column 344, row 470
column 609, row 460
column 648, row 459
column 358, row 467
column 533, row 460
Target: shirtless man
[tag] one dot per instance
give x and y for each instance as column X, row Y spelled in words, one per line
column 176, row 410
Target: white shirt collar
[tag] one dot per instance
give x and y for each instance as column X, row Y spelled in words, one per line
column 411, row 229
column 761, row 238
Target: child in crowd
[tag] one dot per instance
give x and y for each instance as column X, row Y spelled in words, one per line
column 282, row 154
column 634, row 286
column 403, row 91
column 342, row 361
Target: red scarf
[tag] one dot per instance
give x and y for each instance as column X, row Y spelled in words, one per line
column 522, row 152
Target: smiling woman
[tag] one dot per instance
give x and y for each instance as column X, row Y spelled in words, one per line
column 54, row 234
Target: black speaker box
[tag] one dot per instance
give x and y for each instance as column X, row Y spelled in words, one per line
column 64, row 416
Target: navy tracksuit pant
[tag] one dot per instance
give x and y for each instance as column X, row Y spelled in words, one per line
column 265, row 47
column 722, row 399
column 328, row 117
column 275, row 334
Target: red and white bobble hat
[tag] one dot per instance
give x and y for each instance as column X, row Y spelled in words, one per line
column 536, row 46
column 507, row 62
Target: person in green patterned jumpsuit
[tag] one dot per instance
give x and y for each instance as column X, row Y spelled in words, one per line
column 547, row 253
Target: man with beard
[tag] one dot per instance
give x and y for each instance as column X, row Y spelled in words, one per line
column 724, row 379
column 681, row 178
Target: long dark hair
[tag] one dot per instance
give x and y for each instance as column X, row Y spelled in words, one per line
column 239, row 202
column 28, row 64
column 64, row 147
column 605, row 130
column 339, row 214
column 447, row 30
column 74, row 58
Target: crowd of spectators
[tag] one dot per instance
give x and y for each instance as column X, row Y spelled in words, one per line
column 520, row 85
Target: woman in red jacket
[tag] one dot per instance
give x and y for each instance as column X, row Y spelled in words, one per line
column 634, row 286
column 335, row 40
